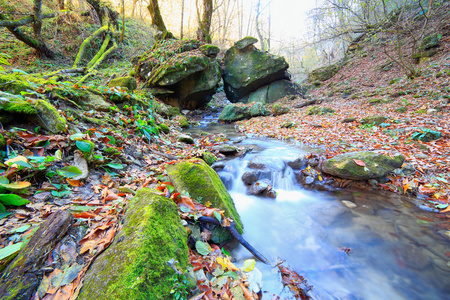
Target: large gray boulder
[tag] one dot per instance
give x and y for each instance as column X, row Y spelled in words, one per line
column 184, row 73
column 248, row 68
column 363, row 165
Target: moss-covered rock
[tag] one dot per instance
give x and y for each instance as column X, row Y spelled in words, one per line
column 183, row 122
column 245, row 42
column 164, row 128
column 50, row 118
column 209, row 158
column 319, row 110
column 167, row 111
column 210, row 50
column 431, row 41
column 187, row 70
column 258, row 109
column 135, row 265
column 232, row 113
column 203, row 183
column 324, row 73
column 184, row 138
column 280, row 89
column 278, row 109
column 248, row 68
column 260, row 95
column 85, row 98
column 124, row 82
column 377, row 164
column 373, row 120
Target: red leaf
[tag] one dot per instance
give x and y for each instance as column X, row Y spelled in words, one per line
column 359, row 162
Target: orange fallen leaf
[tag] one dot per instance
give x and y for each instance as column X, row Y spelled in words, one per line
column 359, row 162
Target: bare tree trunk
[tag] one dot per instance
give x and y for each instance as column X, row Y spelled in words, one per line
column 37, row 26
column 203, row 32
column 123, row 21
column 157, row 19
column 133, row 8
column 182, row 19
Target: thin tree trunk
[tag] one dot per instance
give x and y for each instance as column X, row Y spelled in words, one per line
column 37, row 26
column 203, row 32
column 182, row 19
column 157, row 19
column 123, row 21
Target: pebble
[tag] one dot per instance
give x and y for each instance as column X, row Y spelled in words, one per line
column 349, row 204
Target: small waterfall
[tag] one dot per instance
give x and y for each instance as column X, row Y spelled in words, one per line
column 285, row 180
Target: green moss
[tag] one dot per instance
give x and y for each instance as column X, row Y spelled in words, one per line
column 209, row 50
column 17, row 106
column 373, row 120
column 135, row 265
column 318, row 110
column 164, row 128
column 209, row 158
column 184, row 123
column 203, row 184
column 50, row 118
column 125, row 82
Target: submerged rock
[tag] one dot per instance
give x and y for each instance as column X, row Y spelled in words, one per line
column 203, row 184
column 248, row 68
column 363, row 165
column 136, row 265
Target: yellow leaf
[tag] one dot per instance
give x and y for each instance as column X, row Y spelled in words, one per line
column 208, row 204
column 320, row 178
column 11, row 162
column 226, row 264
column 249, row 264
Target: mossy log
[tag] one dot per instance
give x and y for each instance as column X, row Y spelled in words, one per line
column 85, row 43
column 19, row 280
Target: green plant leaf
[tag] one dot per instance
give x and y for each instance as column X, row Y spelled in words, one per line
column 115, row 166
column 21, row 229
column 83, row 146
column 218, row 216
column 4, row 215
column 77, row 136
column 18, row 185
column 11, row 199
column 202, row 248
column 2, row 208
column 10, row 250
column 69, row 171
column 60, row 194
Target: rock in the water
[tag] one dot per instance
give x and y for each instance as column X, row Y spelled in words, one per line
column 203, row 183
column 226, row 149
column 187, row 69
column 363, row 165
column 273, row 164
column 232, row 113
column 253, row 176
column 298, row 163
column 209, row 158
column 184, row 138
column 49, row 117
column 124, row 82
column 248, row 68
column 136, row 265
column 227, row 179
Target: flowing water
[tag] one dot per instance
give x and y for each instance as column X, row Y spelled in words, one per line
column 397, row 250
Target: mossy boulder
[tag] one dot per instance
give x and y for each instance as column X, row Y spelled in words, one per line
column 167, row 111
column 232, row 113
column 14, row 108
column 260, row 95
column 187, row 70
column 319, row 110
column 164, row 128
column 49, row 117
column 274, row 91
column 245, row 42
column 431, row 41
column 85, row 98
column 183, row 122
column 258, row 109
column 209, row 158
column 124, row 82
column 184, row 138
column 203, row 183
column 373, row 120
column 278, row 109
column 248, row 68
column 324, row 73
column 135, row 265
column 376, row 164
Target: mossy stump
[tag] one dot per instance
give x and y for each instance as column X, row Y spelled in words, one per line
column 135, row 265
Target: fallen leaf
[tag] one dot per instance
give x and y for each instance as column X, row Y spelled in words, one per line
column 359, row 162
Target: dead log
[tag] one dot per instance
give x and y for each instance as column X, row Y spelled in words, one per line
column 20, row 279
column 306, row 103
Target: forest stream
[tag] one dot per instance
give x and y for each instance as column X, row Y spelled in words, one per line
column 347, row 244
